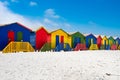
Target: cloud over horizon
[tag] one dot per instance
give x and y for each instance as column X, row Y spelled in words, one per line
column 51, row 21
column 33, row 3
column 48, row 20
column 7, row 16
column 50, row 13
column 14, row 1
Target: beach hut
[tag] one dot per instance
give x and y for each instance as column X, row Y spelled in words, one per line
column 77, row 37
column 59, row 39
column 13, row 32
column 117, row 41
column 105, row 42
column 90, row 39
column 33, row 39
column 99, row 41
column 42, row 37
column 111, row 41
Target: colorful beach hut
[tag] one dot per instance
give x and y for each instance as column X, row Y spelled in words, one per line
column 13, row 32
column 77, row 37
column 117, row 41
column 59, row 38
column 90, row 39
column 42, row 37
column 111, row 41
column 99, row 41
column 105, row 43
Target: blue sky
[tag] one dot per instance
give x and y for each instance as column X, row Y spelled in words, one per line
column 87, row 16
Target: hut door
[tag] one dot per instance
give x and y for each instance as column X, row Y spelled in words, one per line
column 116, row 42
column 91, row 41
column 10, row 36
column 57, row 40
column 32, row 39
column 62, row 39
column 105, row 43
column 76, row 41
column 19, row 36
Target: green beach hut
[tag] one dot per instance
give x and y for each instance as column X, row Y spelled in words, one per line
column 77, row 37
column 111, row 40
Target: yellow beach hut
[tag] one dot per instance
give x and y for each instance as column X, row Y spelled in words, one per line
column 105, row 41
column 60, row 36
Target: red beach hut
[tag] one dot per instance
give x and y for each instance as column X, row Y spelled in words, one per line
column 42, row 37
column 99, row 41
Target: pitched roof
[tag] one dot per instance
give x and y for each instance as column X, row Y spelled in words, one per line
column 111, row 37
column 61, row 30
column 42, row 28
column 91, row 35
column 99, row 37
column 117, row 38
column 17, row 24
column 105, row 37
column 78, row 33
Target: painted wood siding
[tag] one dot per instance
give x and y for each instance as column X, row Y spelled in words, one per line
column 33, row 39
column 105, row 40
column 60, row 32
column 14, row 27
column 117, row 41
column 42, row 37
column 77, row 35
column 111, row 41
column 90, row 39
column 99, row 41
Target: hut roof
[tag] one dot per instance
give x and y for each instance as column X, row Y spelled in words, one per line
column 17, row 24
column 61, row 30
column 78, row 34
column 42, row 28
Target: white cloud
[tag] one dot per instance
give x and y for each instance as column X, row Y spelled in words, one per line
column 50, row 24
column 53, row 25
column 92, row 23
column 33, row 3
column 51, row 21
column 67, row 25
column 14, row 0
column 50, row 13
column 7, row 16
column 5, row 3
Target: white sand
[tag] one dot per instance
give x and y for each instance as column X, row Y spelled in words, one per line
column 82, row 65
